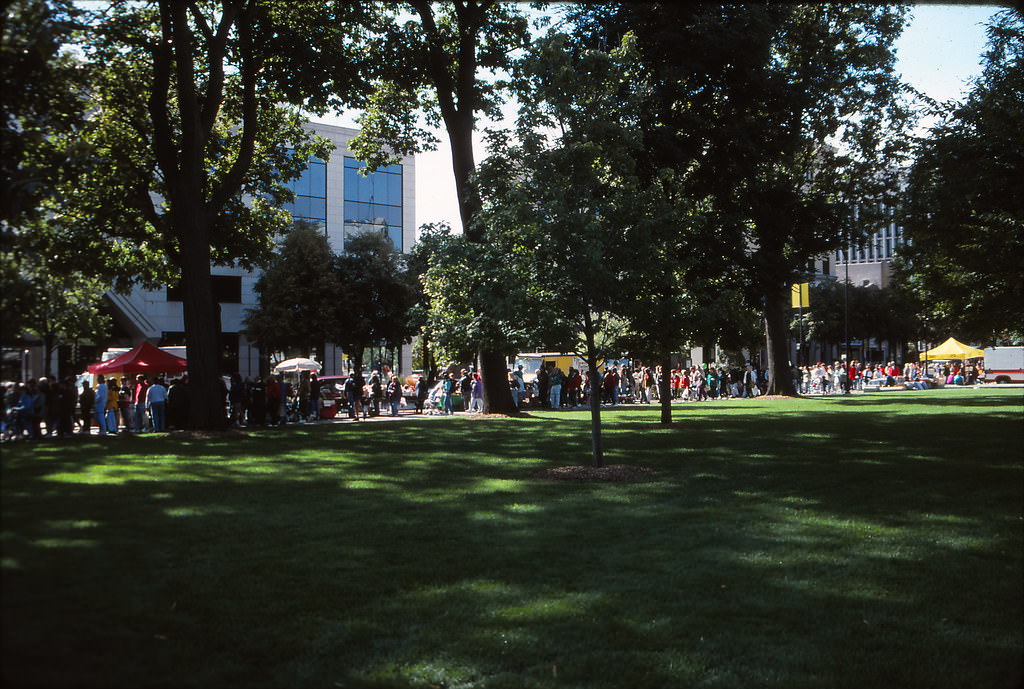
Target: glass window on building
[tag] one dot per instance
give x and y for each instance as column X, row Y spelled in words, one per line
column 373, row 202
column 310, row 189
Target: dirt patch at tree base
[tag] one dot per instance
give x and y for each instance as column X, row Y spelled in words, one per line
column 206, row 435
column 612, row 472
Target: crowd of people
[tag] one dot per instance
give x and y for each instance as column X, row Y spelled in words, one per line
column 58, row 409
column 141, row 404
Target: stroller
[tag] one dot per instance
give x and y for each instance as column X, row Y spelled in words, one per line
column 433, row 404
column 293, row 410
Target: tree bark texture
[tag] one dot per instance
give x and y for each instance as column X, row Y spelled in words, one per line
column 665, row 390
column 202, row 323
column 595, row 391
column 780, row 380
column 595, row 413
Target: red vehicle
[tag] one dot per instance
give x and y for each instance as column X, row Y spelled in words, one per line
column 332, row 395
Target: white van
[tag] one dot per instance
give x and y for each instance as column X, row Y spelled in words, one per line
column 1004, row 365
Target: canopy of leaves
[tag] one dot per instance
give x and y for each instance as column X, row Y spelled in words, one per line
column 964, row 218
column 122, row 204
column 376, row 297
column 296, row 294
column 433, row 65
column 862, row 311
column 43, row 89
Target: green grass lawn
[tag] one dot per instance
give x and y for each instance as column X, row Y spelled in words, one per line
column 874, row 541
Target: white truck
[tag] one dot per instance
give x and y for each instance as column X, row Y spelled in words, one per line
column 1004, row 365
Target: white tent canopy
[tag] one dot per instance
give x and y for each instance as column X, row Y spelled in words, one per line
column 296, row 365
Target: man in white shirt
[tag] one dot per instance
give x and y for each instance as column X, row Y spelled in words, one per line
column 156, row 402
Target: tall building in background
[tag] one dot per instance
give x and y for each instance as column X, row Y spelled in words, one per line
column 868, row 262
column 333, row 196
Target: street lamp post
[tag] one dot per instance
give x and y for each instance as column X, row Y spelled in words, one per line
column 846, row 306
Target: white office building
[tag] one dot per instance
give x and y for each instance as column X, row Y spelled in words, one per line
column 330, row 194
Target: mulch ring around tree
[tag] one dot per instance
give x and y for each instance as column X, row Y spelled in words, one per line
column 207, row 435
column 612, row 472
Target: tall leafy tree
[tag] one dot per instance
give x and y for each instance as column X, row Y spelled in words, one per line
column 193, row 142
column 296, row 294
column 434, row 61
column 376, row 296
column 43, row 94
column 964, row 220
column 830, row 121
column 565, row 203
column 43, row 91
column 478, row 296
column 787, row 117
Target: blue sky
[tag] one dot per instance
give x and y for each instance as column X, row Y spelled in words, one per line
column 938, row 53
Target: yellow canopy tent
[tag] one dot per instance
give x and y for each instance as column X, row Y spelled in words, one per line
column 952, row 349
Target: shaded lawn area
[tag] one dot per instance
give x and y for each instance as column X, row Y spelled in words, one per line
column 874, row 541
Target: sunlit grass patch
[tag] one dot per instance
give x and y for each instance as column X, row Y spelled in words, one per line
column 799, row 543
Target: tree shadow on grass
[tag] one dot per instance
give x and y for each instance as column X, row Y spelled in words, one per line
column 775, row 551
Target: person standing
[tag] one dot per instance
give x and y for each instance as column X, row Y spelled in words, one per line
column 749, row 382
column 139, row 399
column 156, row 401
column 520, row 384
column 376, row 392
column 273, row 400
column 555, row 382
column 125, row 408
column 236, row 400
column 394, row 394
column 257, row 407
column 476, row 393
column 100, row 404
column 303, row 396
column 422, row 390
column 314, row 398
column 448, row 392
column 466, row 389
column 352, row 396
column 110, row 408
column 86, row 403
column 542, row 382
column 175, row 404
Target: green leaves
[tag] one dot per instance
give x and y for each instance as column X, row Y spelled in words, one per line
column 965, row 214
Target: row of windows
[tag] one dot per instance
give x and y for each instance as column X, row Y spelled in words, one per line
column 375, row 213
column 312, row 181
column 383, row 186
column 881, row 247
column 393, row 233
column 373, row 200
column 308, row 208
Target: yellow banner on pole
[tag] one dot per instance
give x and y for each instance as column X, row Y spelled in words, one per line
column 801, row 295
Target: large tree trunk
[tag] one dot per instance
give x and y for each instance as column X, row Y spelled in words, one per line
column 780, row 380
column 202, row 322
column 665, row 390
column 494, row 375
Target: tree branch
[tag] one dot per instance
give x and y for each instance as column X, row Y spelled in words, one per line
column 159, row 98
column 249, row 68
column 204, row 26
column 216, row 50
column 192, row 142
column 436, row 62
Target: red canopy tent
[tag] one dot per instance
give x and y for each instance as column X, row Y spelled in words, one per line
column 142, row 358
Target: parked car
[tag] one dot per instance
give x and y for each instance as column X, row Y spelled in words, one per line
column 332, row 395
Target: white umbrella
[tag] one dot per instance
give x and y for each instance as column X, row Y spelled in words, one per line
column 295, row 365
